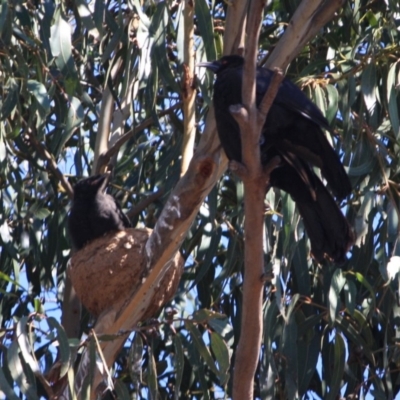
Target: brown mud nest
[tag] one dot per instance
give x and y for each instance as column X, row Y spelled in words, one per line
column 109, row 270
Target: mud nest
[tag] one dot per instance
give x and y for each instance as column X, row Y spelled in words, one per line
column 109, row 270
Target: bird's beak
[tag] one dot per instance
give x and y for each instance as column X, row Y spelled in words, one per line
column 100, row 181
column 213, row 65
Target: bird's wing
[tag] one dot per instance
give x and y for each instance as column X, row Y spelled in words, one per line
column 290, row 97
column 115, row 213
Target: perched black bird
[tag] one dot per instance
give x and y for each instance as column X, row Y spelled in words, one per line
column 292, row 131
column 93, row 212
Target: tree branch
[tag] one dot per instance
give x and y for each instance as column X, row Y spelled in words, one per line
column 309, row 18
column 145, row 202
column 235, row 20
column 255, row 180
column 103, row 132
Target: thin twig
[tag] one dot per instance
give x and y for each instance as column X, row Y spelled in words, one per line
column 51, row 163
column 145, row 202
column 105, row 158
column 269, row 96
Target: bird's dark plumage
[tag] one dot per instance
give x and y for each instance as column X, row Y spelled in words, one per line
column 93, row 212
column 292, row 131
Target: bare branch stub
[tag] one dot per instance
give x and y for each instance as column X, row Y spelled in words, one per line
column 272, row 164
column 238, row 168
column 269, row 96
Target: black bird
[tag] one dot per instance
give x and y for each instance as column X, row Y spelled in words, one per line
column 93, row 212
column 292, row 131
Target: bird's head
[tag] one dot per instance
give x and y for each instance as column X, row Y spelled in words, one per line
column 217, row 66
column 89, row 187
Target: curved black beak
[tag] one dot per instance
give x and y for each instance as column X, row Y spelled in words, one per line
column 100, row 181
column 213, row 65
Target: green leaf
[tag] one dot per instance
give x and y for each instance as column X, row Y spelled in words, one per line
column 38, row 306
column 392, row 100
column 24, row 345
column 179, row 364
column 200, row 345
column 152, row 376
column 38, row 90
column 4, row 12
column 122, row 391
column 64, row 352
column 205, row 25
column 319, row 98
column 221, row 354
column 360, row 278
column 61, row 48
column 198, row 368
column 86, row 17
column 74, row 120
column 27, row 387
column 364, row 328
column 38, row 211
column 350, row 292
column 90, row 355
column 332, row 97
column 6, row 278
column 5, row 232
column 11, row 100
column 289, row 351
column 338, row 367
column 368, row 87
column 180, row 34
column 71, row 384
column 291, row 307
column 6, row 19
column 337, row 283
column 204, row 315
column 222, row 326
column 158, row 30
column 135, row 360
column 143, row 17
column 352, row 334
column 209, row 244
column 6, row 388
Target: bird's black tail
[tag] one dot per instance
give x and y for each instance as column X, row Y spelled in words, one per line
column 310, row 144
column 333, row 171
column 329, row 231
